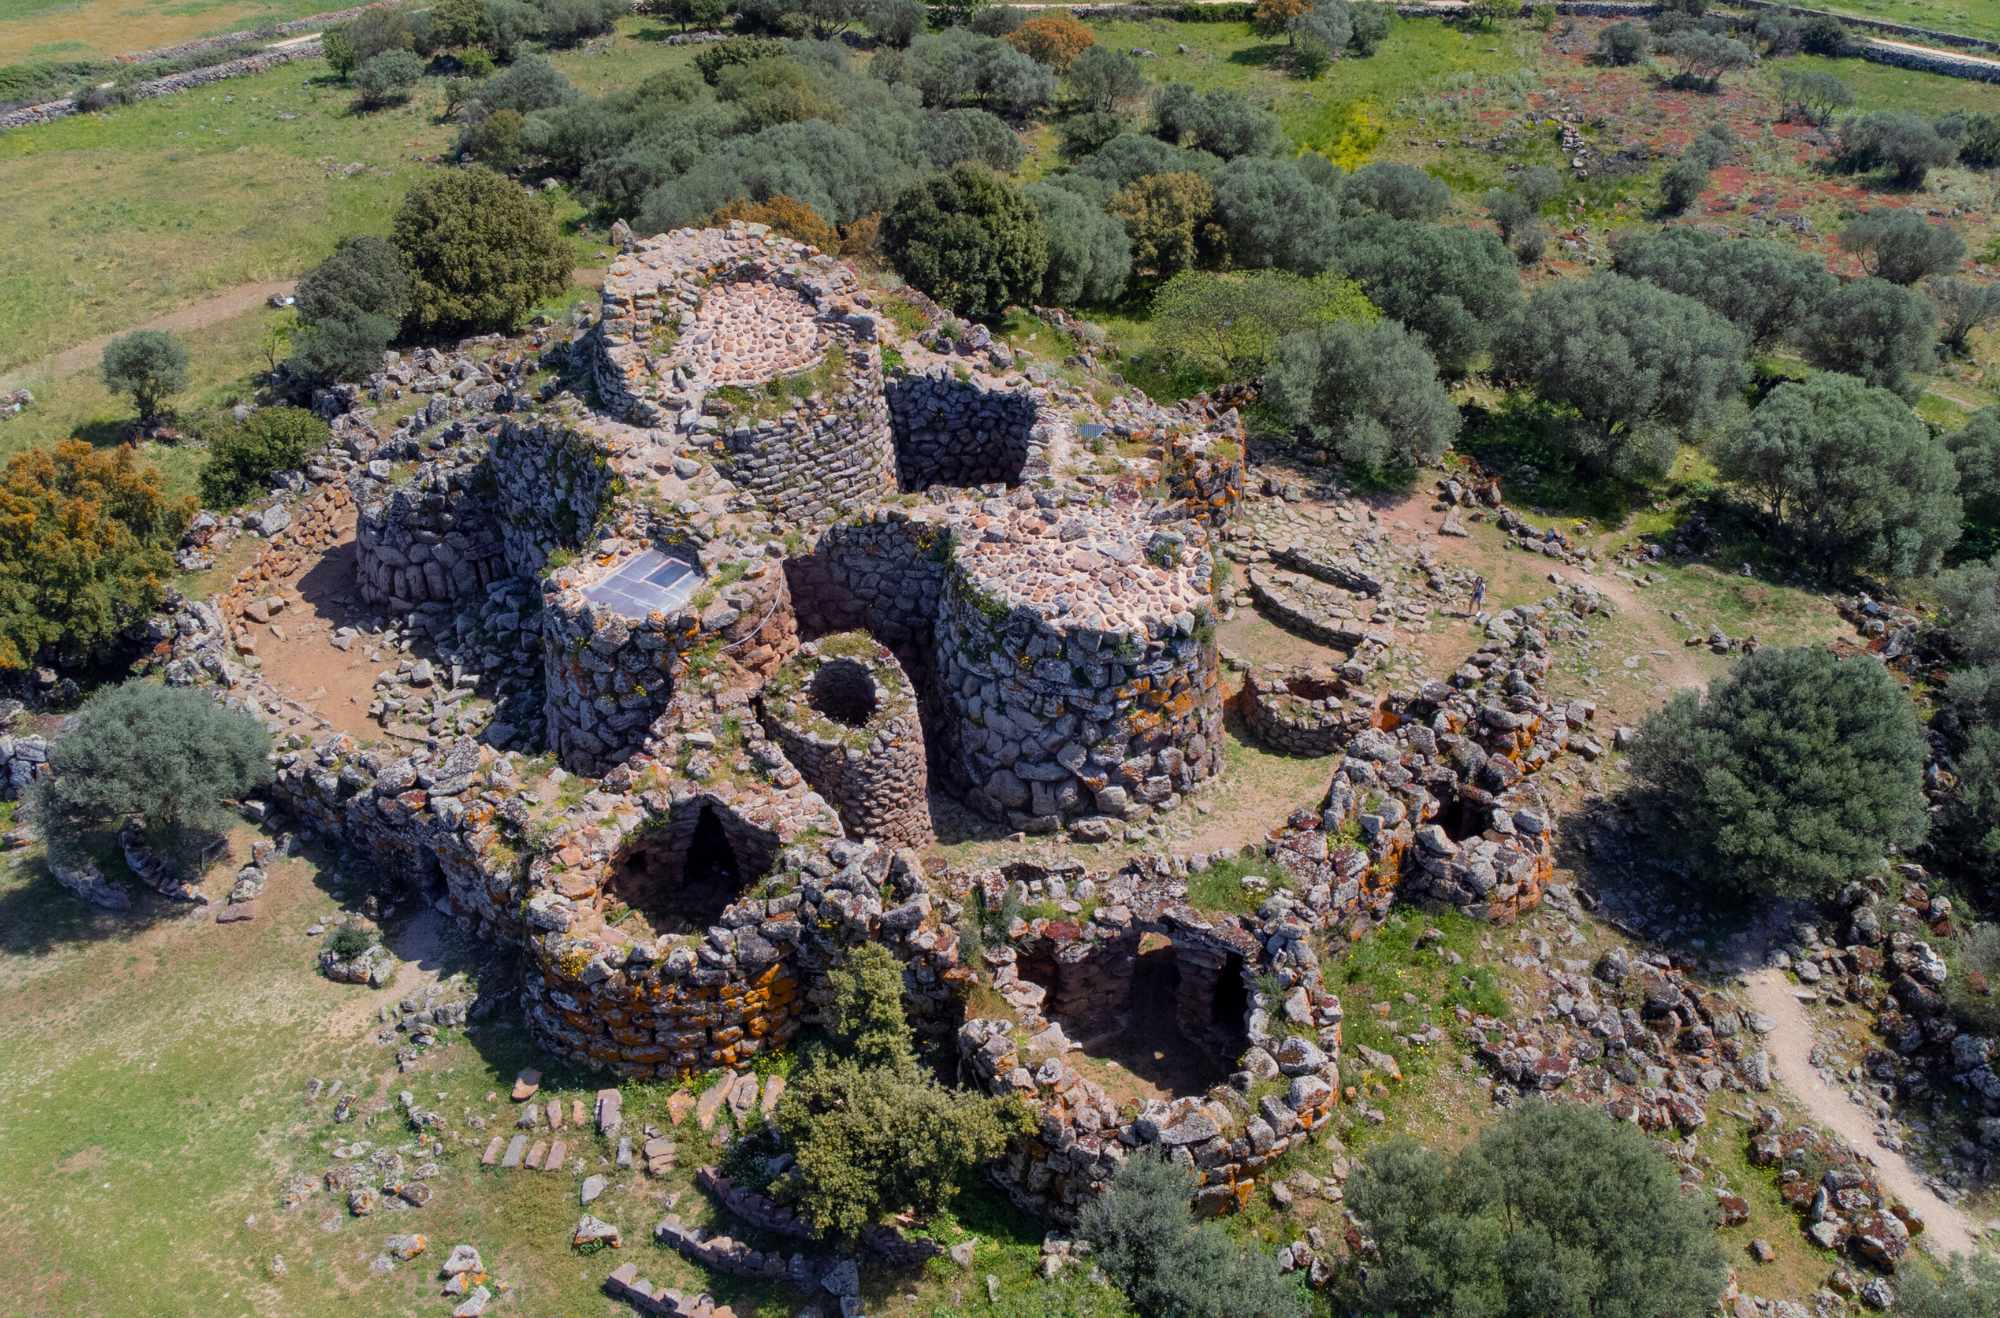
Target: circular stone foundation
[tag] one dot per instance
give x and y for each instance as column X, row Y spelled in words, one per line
column 845, row 714
column 1077, row 661
column 1303, row 711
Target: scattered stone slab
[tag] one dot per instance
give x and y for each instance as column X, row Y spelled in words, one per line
column 593, row 1186
column 526, row 1084
column 492, row 1154
column 536, row 1153
column 515, row 1148
column 610, row 1112
column 558, row 1154
column 595, row 1233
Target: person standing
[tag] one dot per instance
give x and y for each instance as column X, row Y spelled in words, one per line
column 1478, row 593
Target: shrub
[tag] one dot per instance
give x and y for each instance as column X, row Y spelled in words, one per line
column 1101, row 77
column 1090, row 256
column 1636, row 363
column 1704, row 58
column 695, row 13
column 245, row 455
column 492, row 140
column 342, row 347
column 1902, row 246
column 370, row 33
column 1402, row 192
column 1975, row 451
column 969, row 240
column 894, row 22
column 1367, row 392
column 168, row 759
column 1217, row 328
column 147, row 364
column 1087, row 133
column 838, row 171
column 1765, row 288
column 1144, row 1237
column 1875, row 330
column 990, row 20
column 1796, row 774
column 1850, row 471
column 572, row 22
column 788, row 215
column 1319, row 35
column 1683, row 183
column 1129, row 157
column 1900, row 141
column 957, row 67
column 1370, row 22
column 349, row 940
column 954, row 136
column 1813, row 97
column 525, row 86
column 1781, row 35
column 1454, row 287
column 1275, row 18
column 387, row 79
column 1823, row 34
column 1623, row 43
column 1219, row 122
column 716, row 56
column 1555, row 1209
column 1170, row 219
column 1053, row 39
column 1275, row 216
column 480, row 251
column 86, row 549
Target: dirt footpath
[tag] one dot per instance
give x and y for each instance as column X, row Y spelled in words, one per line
column 1947, row 1230
column 193, row 316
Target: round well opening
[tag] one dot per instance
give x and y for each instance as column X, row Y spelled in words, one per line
column 844, row 691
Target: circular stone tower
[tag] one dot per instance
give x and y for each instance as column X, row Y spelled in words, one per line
column 1076, row 660
column 845, row 714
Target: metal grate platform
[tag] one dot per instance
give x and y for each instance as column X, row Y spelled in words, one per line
column 650, row 582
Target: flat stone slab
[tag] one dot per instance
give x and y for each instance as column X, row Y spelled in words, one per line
column 536, row 1154
column 525, row 1085
column 492, row 1154
column 558, row 1152
column 554, row 1109
column 679, row 1105
column 710, row 1103
column 515, row 1148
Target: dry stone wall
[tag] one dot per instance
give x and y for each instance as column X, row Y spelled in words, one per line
column 431, row 537
column 553, row 482
column 1301, row 711
column 950, row 431
column 845, row 714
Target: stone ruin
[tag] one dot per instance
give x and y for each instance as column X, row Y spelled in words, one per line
column 765, row 595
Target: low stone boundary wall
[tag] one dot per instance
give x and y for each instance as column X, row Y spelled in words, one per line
column 1859, row 23
column 1931, row 61
column 263, row 61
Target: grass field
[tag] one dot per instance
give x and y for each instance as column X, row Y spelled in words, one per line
column 1972, row 18
column 123, row 215
column 76, row 29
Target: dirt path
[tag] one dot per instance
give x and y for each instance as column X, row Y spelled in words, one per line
column 1947, row 1230
column 193, row 316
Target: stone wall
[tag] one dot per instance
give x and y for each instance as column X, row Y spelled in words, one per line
column 552, row 482
column 1300, row 711
column 823, row 458
column 1107, row 704
column 1931, row 61
column 1286, row 1051
column 883, row 572
column 846, row 716
column 950, row 431
column 607, row 677
column 1205, row 471
column 262, row 61
column 432, row 537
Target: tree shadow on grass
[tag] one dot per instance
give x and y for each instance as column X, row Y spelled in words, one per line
column 1524, row 445
column 1270, row 55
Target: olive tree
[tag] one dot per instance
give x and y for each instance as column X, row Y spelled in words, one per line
column 1902, row 246
column 1453, row 287
column 1975, row 451
column 1402, row 192
column 1876, row 330
column 1962, row 307
column 1792, row 775
column 1211, row 327
column 1765, row 288
column 1274, row 215
column 1635, row 363
column 1900, row 141
column 1102, row 77
column 1365, row 391
column 1219, row 122
column 1851, row 472
column 169, row 760
column 1144, row 1237
column 149, row 365
column 350, row 306
column 1090, row 256
column 1813, row 97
